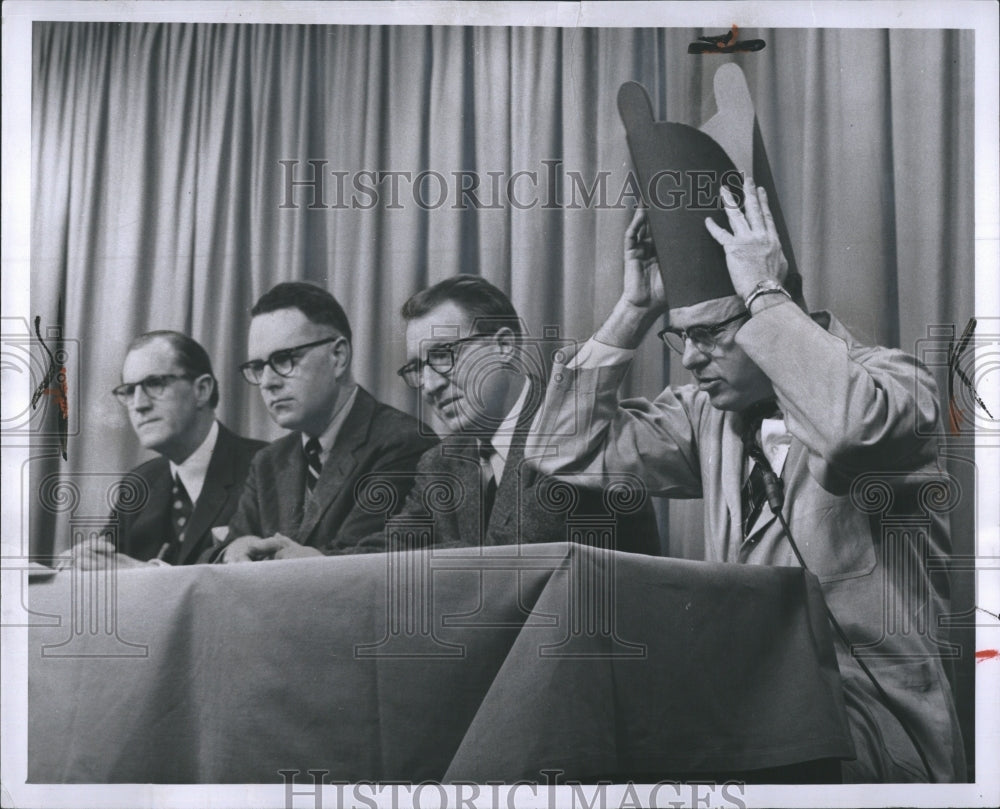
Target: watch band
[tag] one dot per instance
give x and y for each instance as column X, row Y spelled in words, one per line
column 766, row 287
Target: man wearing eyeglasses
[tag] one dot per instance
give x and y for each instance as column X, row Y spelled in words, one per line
column 299, row 498
column 789, row 432
column 194, row 485
column 470, row 360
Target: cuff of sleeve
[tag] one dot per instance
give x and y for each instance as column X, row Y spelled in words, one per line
column 767, row 325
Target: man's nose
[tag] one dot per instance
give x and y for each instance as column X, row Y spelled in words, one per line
column 271, row 379
column 693, row 357
column 432, row 380
column 141, row 402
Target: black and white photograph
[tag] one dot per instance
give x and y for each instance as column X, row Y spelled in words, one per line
column 484, row 405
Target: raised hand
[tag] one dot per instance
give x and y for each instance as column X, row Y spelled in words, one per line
column 643, row 286
column 642, row 300
column 753, row 249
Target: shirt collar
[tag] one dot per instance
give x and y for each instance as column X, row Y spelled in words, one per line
column 775, row 441
column 329, row 435
column 195, row 467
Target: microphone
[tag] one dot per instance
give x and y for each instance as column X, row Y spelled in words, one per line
column 774, row 487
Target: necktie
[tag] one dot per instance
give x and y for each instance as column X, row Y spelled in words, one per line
column 313, row 464
column 486, row 453
column 180, row 513
column 753, row 493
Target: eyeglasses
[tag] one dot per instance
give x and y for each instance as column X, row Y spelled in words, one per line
column 705, row 338
column 282, row 362
column 153, row 386
column 441, row 358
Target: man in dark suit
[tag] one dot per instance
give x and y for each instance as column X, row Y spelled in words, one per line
column 300, row 497
column 469, row 358
column 195, row 483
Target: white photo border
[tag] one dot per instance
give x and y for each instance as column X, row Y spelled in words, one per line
column 17, row 40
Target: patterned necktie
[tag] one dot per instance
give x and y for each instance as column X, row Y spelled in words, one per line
column 754, row 493
column 313, row 464
column 486, row 453
column 181, row 511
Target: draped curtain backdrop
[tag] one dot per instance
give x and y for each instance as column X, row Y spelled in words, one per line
column 162, row 155
column 158, row 187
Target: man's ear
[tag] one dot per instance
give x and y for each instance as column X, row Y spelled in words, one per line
column 204, row 385
column 506, row 339
column 342, row 353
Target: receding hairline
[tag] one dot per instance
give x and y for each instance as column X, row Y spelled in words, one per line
column 187, row 354
column 482, row 303
column 150, row 338
column 292, row 307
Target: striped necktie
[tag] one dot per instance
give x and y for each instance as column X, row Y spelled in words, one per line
column 180, row 513
column 313, row 464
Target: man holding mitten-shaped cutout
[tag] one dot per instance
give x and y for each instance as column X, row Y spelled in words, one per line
column 776, row 387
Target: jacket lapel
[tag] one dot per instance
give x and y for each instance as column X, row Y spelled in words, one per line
column 152, row 526
column 340, row 463
column 465, row 459
column 518, row 481
column 219, row 479
column 514, row 485
column 731, row 480
column 287, row 498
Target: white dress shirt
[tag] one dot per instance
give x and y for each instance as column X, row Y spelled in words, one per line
column 195, row 467
column 329, row 436
column 504, row 436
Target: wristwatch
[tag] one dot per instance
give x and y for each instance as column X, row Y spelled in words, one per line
column 766, row 287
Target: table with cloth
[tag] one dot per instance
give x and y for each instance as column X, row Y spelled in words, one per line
column 448, row 665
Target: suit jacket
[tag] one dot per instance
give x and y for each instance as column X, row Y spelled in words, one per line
column 376, row 441
column 141, row 534
column 861, row 465
column 528, row 507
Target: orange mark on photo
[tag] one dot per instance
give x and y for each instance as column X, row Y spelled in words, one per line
column 59, row 393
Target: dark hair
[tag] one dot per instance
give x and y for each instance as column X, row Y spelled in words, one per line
column 188, row 353
column 314, row 302
column 488, row 308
